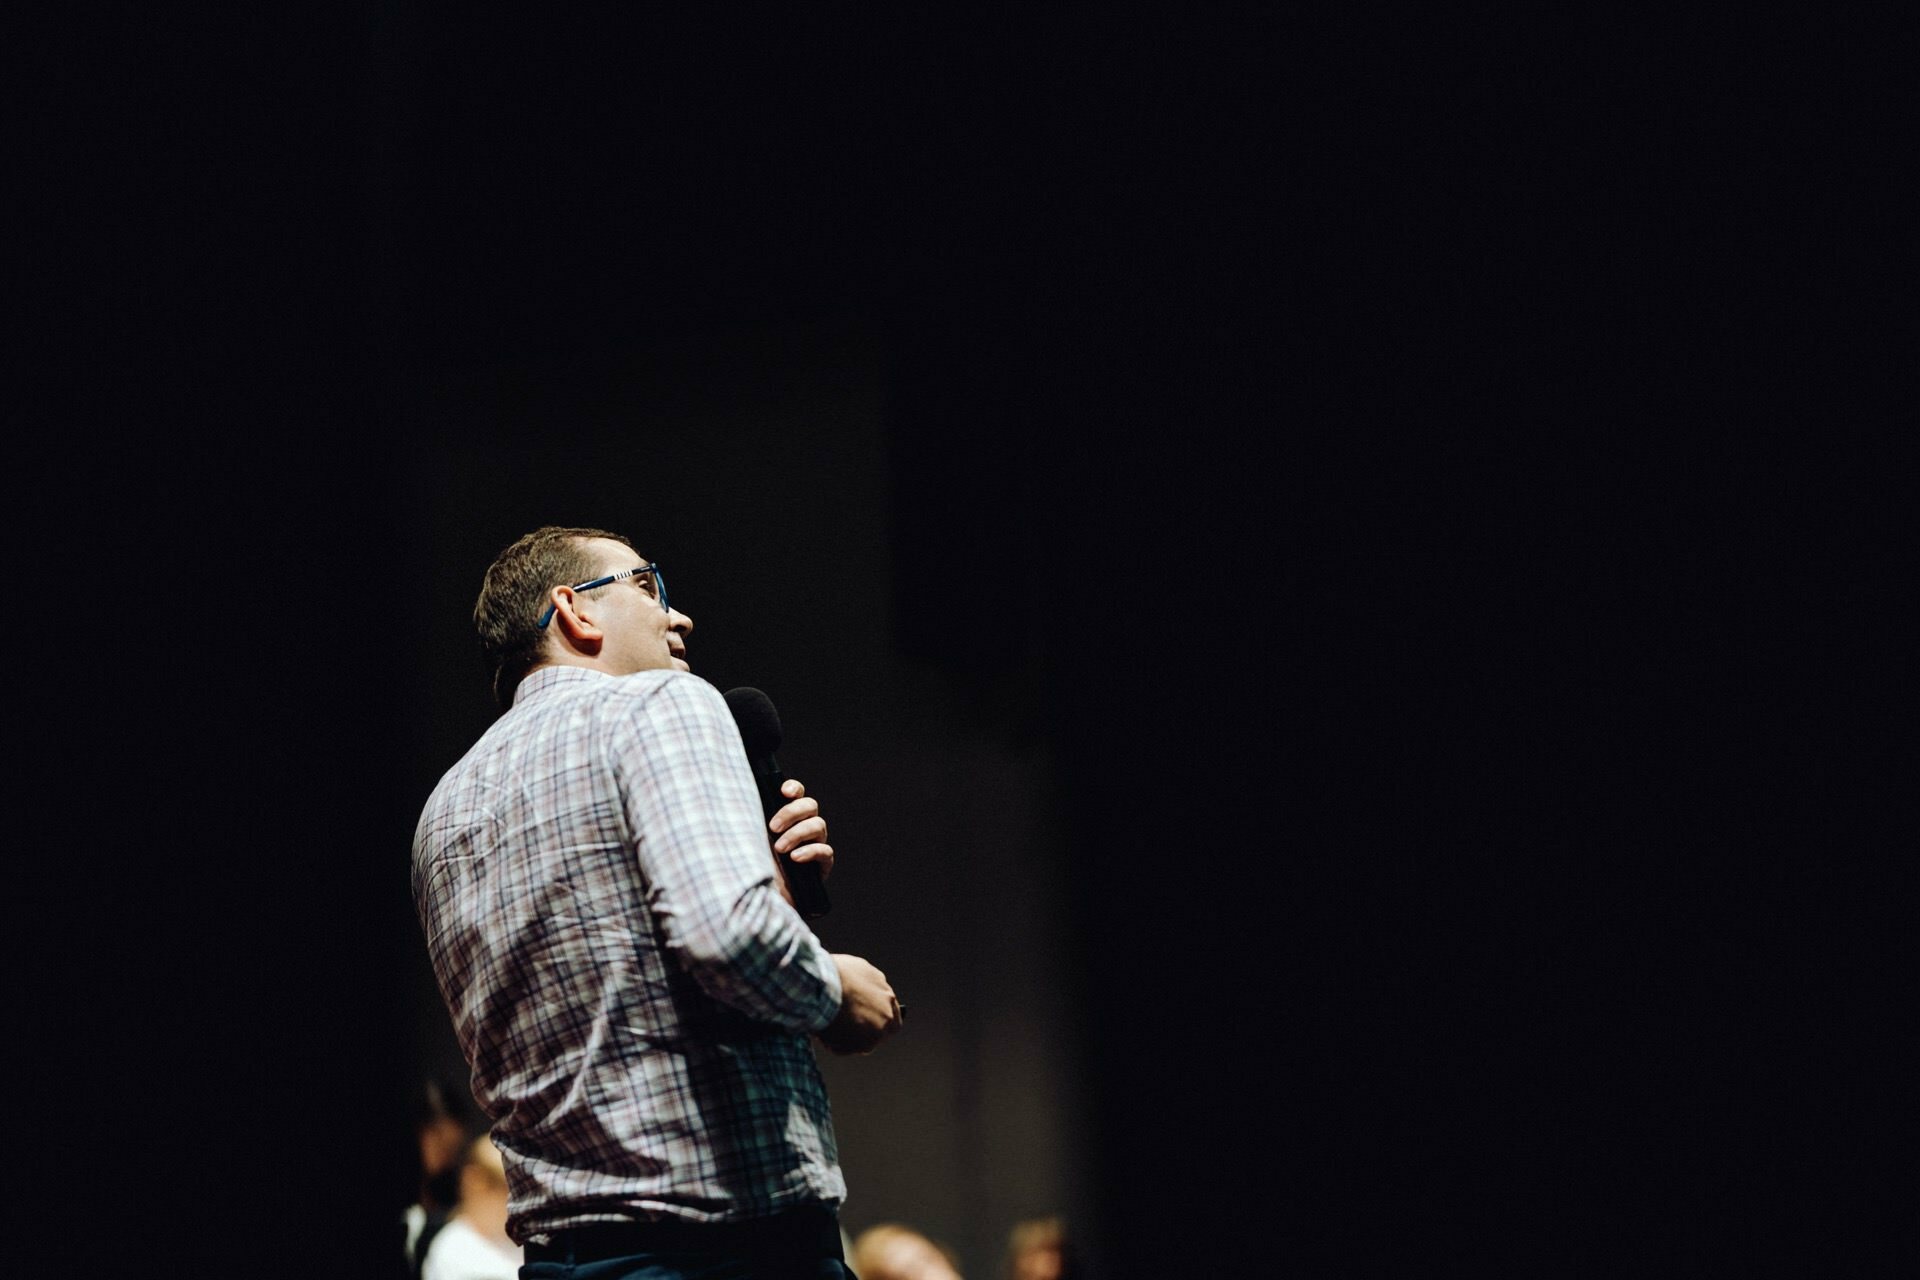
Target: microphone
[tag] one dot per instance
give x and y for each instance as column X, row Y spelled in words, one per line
column 759, row 726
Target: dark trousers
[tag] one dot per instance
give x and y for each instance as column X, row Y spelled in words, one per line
column 802, row 1244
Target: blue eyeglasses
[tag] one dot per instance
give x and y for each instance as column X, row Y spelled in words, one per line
column 655, row 586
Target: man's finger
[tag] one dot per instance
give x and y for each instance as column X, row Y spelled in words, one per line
column 806, row 831
column 792, row 813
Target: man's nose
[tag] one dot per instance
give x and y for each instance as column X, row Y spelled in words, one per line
column 680, row 622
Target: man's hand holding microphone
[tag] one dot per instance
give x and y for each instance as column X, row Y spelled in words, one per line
column 869, row 1010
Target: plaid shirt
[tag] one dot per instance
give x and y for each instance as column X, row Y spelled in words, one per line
column 630, row 988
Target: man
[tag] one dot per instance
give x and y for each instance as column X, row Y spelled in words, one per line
column 632, row 989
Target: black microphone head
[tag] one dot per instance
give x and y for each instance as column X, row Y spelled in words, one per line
column 759, row 723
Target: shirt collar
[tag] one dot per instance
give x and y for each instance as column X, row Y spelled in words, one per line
column 541, row 680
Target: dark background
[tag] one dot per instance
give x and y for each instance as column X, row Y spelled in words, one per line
column 1357, row 465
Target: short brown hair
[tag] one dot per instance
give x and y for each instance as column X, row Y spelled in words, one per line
column 514, row 593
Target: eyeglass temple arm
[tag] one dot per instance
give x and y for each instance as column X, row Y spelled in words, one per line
column 621, row 576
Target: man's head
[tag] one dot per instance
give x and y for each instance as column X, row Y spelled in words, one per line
column 619, row 627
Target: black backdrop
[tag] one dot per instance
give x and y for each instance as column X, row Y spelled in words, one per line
column 1350, row 448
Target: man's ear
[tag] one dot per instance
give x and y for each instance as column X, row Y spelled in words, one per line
column 576, row 632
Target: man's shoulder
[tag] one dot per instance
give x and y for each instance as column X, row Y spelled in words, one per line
column 579, row 711
column 661, row 715
column 574, row 696
column 644, row 690
column 621, row 712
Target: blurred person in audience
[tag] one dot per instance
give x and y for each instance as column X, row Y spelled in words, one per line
column 474, row 1244
column 440, row 1126
column 1037, row 1249
column 890, row 1251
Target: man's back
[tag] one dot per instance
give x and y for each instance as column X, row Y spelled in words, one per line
column 627, row 982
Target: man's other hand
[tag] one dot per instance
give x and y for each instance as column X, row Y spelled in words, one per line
column 869, row 1011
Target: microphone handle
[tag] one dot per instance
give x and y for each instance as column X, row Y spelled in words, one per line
column 803, row 878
